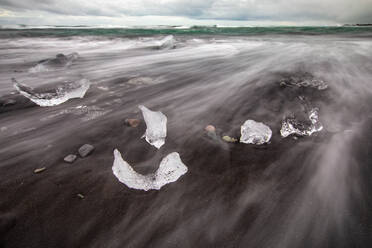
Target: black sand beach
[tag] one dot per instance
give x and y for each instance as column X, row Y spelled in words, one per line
column 311, row 191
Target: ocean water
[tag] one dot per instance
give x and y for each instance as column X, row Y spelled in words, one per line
column 313, row 189
column 60, row 31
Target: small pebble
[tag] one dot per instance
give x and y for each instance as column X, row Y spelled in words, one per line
column 132, row 122
column 211, row 132
column 229, row 139
column 38, row 170
column 70, row 158
column 210, row 128
column 85, row 150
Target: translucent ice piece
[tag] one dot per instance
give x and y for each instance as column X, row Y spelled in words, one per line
column 59, row 61
column 306, row 81
column 167, row 42
column 170, row 169
column 58, row 96
column 292, row 126
column 253, row 132
column 156, row 123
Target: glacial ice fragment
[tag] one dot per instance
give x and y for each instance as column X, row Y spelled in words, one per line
column 60, row 95
column 306, row 80
column 156, row 123
column 292, row 126
column 170, row 169
column 167, row 42
column 253, row 132
column 60, row 60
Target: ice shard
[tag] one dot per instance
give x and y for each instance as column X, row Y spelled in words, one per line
column 253, row 132
column 306, row 81
column 292, row 126
column 59, row 61
column 167, row 42
column 170, row 170
column 156, row 123
column 57, row 96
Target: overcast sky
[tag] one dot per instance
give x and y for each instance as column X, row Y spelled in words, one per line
column 185, row 12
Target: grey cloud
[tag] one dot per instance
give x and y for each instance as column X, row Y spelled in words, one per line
column 343, row 11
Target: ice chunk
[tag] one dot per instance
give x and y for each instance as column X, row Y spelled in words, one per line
column 167, row 42
column 291, row 126
column 253, row 132
column 58, row 96
column 305, row 80
column 170, row 169
column 60, row 60
column 38, row 68
column 156, row 123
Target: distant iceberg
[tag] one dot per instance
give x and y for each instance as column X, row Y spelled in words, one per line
column 58, row 96
column 170, row 170
column 156, row 123
column 256, row 133
column 291, row 126
column 59, row 61
column 167, row 42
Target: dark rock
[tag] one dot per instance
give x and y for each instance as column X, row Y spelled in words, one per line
column 70, row 158
column 85, row 150
column 132, row 122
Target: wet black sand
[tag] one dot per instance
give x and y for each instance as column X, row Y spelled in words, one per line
column 306, row 192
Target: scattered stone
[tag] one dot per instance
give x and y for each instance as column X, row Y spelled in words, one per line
column 229, row 139
column 85, row 150
column 211, row 132
column 39, row 170
column 81, row 196
column 70, row 158
column 210, row 128
column 132, row 122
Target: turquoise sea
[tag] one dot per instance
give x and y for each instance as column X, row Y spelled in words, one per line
column 58, row 31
